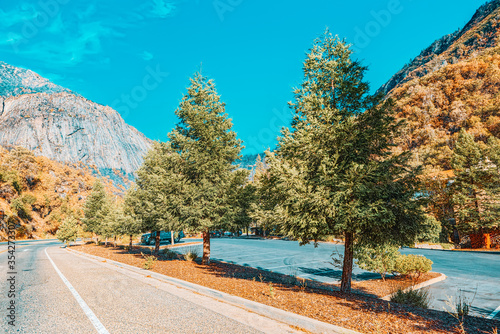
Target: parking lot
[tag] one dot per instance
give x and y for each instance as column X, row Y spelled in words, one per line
column 474, row 275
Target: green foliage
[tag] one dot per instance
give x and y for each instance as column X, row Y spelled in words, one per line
column 208, row 149
column 117, row 222
column 169, row 254
column 68, row 231
column 28, row 199
column 446, row 245
column 413, row 265
column 462, row 307
column 476, row 191
column 11, row 177
column 417, row 298
column 380, row 259
column 96, row 209
column 334, row 171
column 20, row 208
column 192, row 181
column 191, row 254
column 241, row 197
column 272, row 290
column 150, row 261
column 431, row 230
column 156, row 200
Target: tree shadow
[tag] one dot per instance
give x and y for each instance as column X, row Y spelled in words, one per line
column 360, row 301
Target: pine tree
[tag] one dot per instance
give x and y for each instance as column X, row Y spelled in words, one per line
column 112, row 225
column 96, row 209
column 208, row 150
column 476, row 183
column 130, row 226
column 68, row 231
column 155, row 203
column 241, row 197
column 333, row 172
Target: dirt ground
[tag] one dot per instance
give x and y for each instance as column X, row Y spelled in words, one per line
column 362, row 310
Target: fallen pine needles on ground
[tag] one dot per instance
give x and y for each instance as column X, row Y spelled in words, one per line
column 361, row 311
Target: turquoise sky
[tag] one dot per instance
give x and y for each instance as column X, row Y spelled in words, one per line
column 137, row 56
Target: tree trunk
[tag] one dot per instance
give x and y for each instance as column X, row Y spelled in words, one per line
column 114, row 242
column 130, row 244
column 172, row 237
column 157, row 243
column 206, row 247
column 345, row 285
column 106, row 244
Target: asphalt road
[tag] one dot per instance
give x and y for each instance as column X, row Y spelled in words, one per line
column 473, row 275
column 476, row 276
column 60, row 292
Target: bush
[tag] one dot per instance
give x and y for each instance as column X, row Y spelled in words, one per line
column 413, row 265
column 462, row 307
column 191, row 254
column 381, row 259
column 28, row 199
column 418, row 298
column 169, row 254
column 432, row 230
column 19, row 207
column 150, row 261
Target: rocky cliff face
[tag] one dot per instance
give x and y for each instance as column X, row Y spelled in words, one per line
column 16, row 81
column 54, row 122
column 478, row 35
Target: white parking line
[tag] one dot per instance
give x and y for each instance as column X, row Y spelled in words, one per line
column 88, row 312
column 296, row 264
column 247, row 251
column 184, row 246
column 253, row 255
column 494, row 313
column 322, row 271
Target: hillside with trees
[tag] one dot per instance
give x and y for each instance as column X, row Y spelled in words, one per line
column 38, row 194
column 452, row 89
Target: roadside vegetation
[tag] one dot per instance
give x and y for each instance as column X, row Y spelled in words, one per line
column 362, row 310
column 37, row 194
column 336, row 173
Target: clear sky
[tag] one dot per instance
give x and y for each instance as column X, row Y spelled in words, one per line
column 137, row 56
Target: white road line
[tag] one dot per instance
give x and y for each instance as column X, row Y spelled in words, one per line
column 296, row 264
column 247, row 251
column 88, row 312
column 251, row 255
column 494, row 313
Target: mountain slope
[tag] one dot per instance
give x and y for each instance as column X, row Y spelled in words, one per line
column 38, row 194
column 454, row 84
column 479, row 34
column 54, row 122
column 16, row 81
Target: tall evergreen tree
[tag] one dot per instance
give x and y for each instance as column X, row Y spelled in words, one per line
column 476, row 183
column 241, row 196
column 96, row 209
column 68, row 231
column 130, row 226
column 156, row 201
column 333, row 171
column 208, row 150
